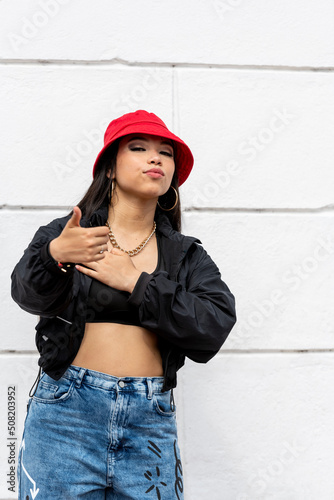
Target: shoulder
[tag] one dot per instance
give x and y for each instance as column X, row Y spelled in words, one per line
column 184, row 250
column 165, row 228
column 49, row 231
column 56, row 225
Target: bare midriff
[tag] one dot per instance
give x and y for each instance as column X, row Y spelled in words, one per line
column 123, row 350
column 120, row 350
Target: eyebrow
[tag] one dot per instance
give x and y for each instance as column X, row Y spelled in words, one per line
column 168, row 143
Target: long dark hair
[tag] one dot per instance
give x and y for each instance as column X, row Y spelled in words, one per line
column 99, row 191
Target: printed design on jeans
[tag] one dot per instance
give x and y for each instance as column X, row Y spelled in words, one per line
column 153, row 447
column 34, row 491
column 149, row 475
column 178, row 473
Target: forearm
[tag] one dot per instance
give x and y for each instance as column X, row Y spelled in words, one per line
column 38, row 285
column 192, row 320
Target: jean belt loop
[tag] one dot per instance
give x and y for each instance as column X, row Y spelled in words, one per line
column 80, row 377
column 149, row 388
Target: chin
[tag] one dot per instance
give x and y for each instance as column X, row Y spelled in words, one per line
column 155, row 192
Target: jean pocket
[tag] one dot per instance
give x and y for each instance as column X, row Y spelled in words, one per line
column 162, row 404
column 53, row 391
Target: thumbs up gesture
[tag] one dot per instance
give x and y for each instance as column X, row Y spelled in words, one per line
column 79, row 244
column 75, row 219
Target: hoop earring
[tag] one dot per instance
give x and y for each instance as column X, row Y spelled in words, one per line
column 111, row 189
column 176, row 200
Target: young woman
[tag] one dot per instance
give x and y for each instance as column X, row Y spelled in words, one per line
column 123, row 297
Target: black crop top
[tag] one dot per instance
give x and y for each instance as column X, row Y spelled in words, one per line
column 108, row 305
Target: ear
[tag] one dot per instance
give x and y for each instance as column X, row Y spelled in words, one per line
column 108, row 173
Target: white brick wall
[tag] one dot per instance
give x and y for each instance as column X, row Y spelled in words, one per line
column 249, row 85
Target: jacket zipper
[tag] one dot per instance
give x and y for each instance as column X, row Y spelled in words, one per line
column 69, row 322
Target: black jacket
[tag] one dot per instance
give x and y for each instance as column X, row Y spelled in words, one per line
column 188, row 306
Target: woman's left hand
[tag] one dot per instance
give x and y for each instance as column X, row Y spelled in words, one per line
column 116, row 269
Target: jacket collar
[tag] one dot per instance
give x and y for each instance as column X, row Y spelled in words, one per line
column 99, row 217
column 176, row 244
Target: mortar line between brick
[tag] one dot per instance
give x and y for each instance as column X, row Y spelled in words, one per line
column 274, row 351
column 259, row 210
column 326, row 209
column 116, row 61
column 173, row 98
column 9, row 352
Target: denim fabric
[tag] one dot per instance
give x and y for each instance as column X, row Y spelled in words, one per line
column 93, row 436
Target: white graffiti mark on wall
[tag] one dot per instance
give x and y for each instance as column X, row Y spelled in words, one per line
column 34, row 491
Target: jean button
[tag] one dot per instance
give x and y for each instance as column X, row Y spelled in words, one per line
column 121, row 383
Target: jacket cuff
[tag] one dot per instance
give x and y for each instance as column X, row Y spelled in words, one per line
column 49, row 263
column 137, row 294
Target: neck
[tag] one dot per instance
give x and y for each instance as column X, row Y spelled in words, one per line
column 132, row 217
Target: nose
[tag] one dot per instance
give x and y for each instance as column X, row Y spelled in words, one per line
column 154, row 158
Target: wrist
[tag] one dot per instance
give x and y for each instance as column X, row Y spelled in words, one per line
column 133, row 280
column 54, row 251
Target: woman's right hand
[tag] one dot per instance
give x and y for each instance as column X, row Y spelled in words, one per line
column 79, row 244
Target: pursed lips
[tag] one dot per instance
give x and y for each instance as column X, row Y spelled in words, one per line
column 154, row 172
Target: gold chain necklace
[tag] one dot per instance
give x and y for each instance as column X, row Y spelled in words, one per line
column 136, row 250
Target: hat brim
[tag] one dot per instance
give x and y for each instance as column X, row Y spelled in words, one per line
column 184, row 159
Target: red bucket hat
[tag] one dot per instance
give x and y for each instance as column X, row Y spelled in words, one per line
column 148, row 123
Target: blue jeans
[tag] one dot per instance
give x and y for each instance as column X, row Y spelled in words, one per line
column 93, row 436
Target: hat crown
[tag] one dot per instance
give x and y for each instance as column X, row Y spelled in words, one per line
column 136, row 117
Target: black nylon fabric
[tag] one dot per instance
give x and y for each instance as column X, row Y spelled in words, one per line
column 188, row 305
